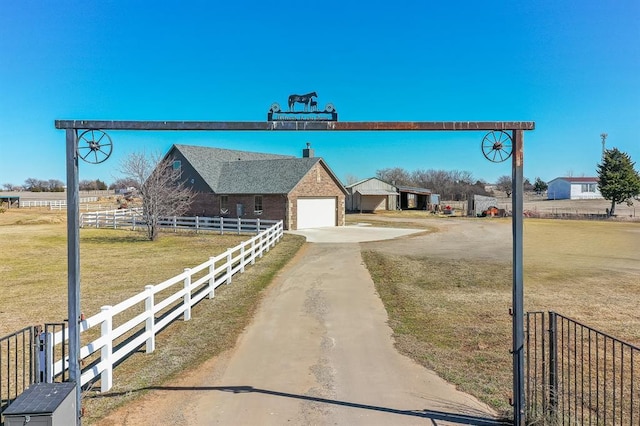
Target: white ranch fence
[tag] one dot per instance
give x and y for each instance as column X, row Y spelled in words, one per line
column 59, row 204
column 142, row 316
column 132, row 218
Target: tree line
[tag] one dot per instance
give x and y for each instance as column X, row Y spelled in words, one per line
column 453, row 185
column 56, row 185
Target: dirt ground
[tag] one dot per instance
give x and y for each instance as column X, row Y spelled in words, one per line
column 337, row 365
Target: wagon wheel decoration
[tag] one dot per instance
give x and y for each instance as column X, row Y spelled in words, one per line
column 94, row 146
column 497, row 146
column 275, row 107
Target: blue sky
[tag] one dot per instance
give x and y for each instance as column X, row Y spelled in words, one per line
column 572, row 67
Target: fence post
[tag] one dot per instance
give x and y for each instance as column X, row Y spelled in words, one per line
column 115, row 219
column 553, row 365
column 187, row 295
column 106, row 376
column 150, row 323
column 45, row 357
column 242, row 259
column 239, row 225
column 229, row 265
column 221, row 225
column 175, row 224
column 257, row 225
column 212, row 278
column 197, row 224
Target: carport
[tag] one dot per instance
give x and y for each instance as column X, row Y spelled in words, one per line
column 12, row 201
column 413, row 198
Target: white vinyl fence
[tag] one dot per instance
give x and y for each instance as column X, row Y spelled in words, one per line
column 148, row 312
column 133, row 219
column 59, row 204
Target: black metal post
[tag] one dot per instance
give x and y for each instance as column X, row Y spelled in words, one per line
column 73, row 264
column 553, row 365
column 517, row 191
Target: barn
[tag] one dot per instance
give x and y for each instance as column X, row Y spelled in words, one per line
column 370, row 195
column 302, row 192
column 574, row 188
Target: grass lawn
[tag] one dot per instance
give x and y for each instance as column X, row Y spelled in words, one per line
column 116, row 264
column 452, row 315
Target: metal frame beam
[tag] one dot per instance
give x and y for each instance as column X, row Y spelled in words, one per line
column 516, row 127
column 296, row 125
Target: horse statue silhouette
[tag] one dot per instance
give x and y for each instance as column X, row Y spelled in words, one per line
column 313, row 105
column 302, row 99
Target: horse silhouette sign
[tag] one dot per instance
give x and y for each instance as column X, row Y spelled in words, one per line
column 310, row 111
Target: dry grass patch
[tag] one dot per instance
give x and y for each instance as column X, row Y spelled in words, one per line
column 214, row 328
column 452, row 315
column 117, row 264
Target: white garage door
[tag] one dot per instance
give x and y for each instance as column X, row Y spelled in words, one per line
column 316, row 212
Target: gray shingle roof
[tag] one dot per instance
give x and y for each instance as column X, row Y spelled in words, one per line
column 208, row 162
column 240, row 172
column 277, row 176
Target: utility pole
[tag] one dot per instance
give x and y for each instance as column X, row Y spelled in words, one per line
column 604, row 140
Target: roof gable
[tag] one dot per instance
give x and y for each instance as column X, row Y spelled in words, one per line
column 360, row 182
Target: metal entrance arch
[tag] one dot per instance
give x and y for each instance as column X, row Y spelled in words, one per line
column 95, row 155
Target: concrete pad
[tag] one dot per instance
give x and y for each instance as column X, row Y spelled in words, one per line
column 353, row 234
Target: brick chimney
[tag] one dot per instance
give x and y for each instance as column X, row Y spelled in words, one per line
column 307, row 152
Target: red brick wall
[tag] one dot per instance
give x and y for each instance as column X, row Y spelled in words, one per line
column 317, row 183
column 273, row 206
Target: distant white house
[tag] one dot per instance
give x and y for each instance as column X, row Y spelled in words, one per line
column 574, row 188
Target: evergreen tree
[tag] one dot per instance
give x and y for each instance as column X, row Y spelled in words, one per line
column 540, row 186
column 619, row 181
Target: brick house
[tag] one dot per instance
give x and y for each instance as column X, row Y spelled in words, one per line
column 303, row 192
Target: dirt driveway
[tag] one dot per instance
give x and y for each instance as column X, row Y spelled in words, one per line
column 319, row 352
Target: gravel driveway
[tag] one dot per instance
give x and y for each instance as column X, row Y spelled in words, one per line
column 319, row 352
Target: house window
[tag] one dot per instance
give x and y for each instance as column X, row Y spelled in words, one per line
column 588, row 187
column 177, row 170
column 257, row 209
column 224, row 204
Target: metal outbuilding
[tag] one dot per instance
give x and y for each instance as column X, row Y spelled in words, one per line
column 414, row 198
column 480, row 203
column 371, row 194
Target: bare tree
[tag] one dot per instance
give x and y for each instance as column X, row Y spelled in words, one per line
column 162, row 190
column 351, row 179
column 504, row 184
column 54, row 185
column 10, row 187
column 395, row 176
column 123, row 183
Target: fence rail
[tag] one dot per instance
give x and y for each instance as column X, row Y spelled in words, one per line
column 579, row 375
column 119, row 330
column 133, row 218
column 57, row 204
column 31, row 355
